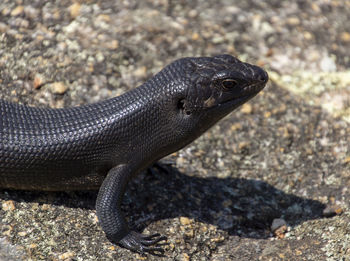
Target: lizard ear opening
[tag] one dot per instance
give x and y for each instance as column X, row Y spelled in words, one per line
column 181, row 105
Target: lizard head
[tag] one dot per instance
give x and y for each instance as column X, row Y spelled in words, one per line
column 191, row 94
column 215, row 86
column 220, row 81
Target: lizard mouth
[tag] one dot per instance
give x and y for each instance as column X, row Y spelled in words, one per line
column 232, row 103
column 253, row 89
column 236, row 101
column 248, row 92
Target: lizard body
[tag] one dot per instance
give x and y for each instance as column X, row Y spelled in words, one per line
column 103, row 145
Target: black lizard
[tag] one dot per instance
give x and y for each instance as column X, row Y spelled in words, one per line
column 103, row 145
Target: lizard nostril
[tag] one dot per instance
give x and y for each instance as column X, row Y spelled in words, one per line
column 263, row 76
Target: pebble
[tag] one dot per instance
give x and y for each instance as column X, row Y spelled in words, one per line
column 247, row 108
column 74, row 10
column 58, row 88
column 31, row 12
column 185, row 221
column 39, row 80
column 279, row 227
column 189, row 233
column 345, row 37
column 67, row 255
column 332, row 210
column 104, row 17
column 8, row 205
column 185, row 257
column 293, row 21
column 22, row 233
column 308, row 35
column 140, row 72
column 243, row 145
column 347, row 160
column 114, row 44
column 5, row 11
column 328, row 64
column 33, row 245
column 17, row 11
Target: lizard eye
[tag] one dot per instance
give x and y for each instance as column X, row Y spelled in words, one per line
column 228, row 84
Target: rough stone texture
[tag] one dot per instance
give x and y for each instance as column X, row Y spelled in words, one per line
column 285, row 155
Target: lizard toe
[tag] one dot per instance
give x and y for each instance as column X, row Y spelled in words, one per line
column 140, row 243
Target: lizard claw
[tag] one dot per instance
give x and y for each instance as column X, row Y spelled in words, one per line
column 140, row 243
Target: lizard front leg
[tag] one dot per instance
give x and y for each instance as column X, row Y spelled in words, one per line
column 112, row 219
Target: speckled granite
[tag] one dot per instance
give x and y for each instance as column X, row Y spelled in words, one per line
column 285, row 154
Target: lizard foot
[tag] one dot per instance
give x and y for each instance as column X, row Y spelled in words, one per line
column 140, row 243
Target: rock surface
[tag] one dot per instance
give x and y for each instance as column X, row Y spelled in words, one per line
column 285, row 155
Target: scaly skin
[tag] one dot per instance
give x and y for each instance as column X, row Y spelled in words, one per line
column 103, row 145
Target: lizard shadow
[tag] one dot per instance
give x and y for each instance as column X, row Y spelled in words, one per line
column 239, row 206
